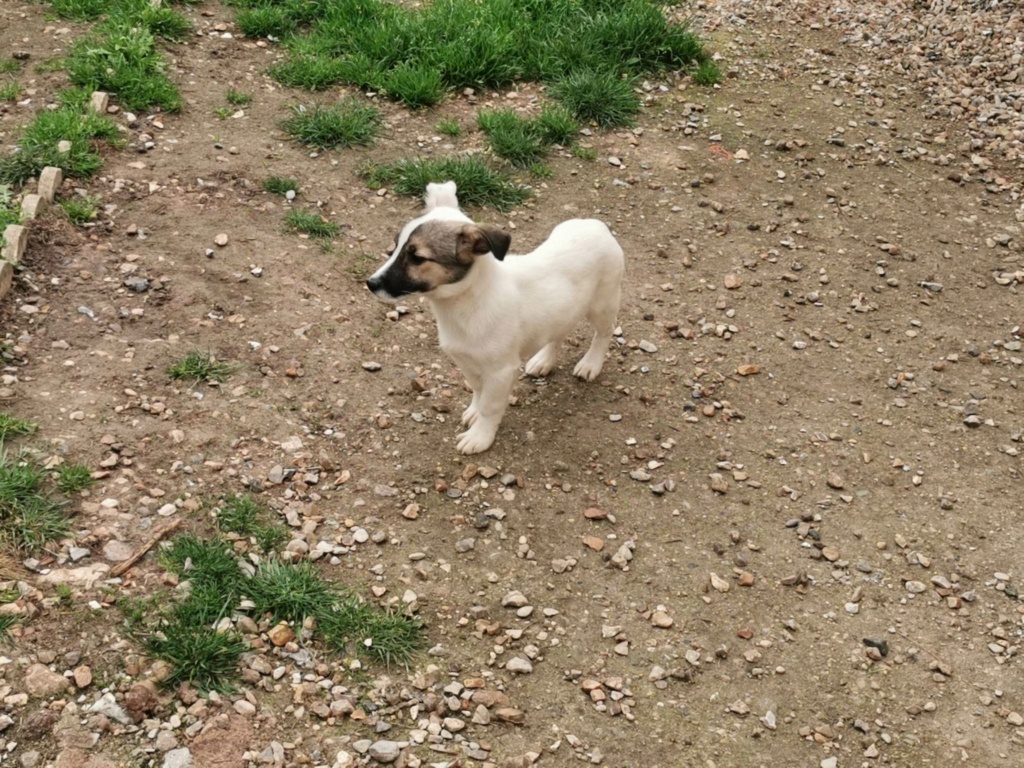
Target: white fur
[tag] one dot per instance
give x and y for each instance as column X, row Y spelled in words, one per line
column 521, row 309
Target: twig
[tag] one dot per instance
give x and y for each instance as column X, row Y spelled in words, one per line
column 127, row 564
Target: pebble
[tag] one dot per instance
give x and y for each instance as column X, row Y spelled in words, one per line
column 178, row 758
column 385, row 751
column 221, row 240
column 519, row 665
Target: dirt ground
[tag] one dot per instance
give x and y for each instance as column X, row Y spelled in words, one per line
column 861, row 482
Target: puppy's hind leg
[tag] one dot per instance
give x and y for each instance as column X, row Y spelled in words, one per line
column 542, row 362
column 602, row 317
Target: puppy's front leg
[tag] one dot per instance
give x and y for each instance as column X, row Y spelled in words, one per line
column 491, row 402
column 472, row 412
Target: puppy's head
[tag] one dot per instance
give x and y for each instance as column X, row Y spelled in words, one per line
column 438, row 249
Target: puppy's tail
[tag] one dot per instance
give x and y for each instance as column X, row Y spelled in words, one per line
column 441, row 196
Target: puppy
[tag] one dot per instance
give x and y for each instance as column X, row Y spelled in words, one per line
column 493, row 313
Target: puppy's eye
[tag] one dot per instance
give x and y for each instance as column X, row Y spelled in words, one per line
column 414, row 258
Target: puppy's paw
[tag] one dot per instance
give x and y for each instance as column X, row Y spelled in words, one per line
column 470, row 415
column 540, row 365
column 588, row 369
column 475, row 440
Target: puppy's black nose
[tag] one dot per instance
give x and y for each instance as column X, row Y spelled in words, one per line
column 373, row 283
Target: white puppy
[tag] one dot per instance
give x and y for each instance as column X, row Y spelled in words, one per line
column 493, row 313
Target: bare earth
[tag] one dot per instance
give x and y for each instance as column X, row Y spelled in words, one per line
column 861, row 481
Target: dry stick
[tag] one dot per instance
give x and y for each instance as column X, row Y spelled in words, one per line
column 127, row 564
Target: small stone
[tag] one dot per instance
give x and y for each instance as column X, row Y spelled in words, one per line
column 281, row 634
column 719, row 584
column 83, row 676
column 178, row 758
column 515, row 599
column 647, row 346
column 1015, row 719
column 221, row 240
column 835, row 481
column 384, row 751
column 519, row 665
column 594, row 542
column 245, row 708
column 411, row 512
column 732, row 281
column 915, row 587
column 40, row 681
column 371, row 366
column 662, row 620
column 830, row 553
column 117, row 551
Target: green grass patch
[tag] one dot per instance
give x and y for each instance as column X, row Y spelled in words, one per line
column 12, row 427
column 265, row 22
column 604, row 97
column 199, row 366
column 214, row 585
column 29, row 515
column 541, row 171
column 415, row 54
column 72, row 478
column 9, row 91
column 245, row 516
column 416, row 86
column 223, row 113
column 238, row 98
column 707, row 73
column 479, row 184
column 584, row 153
column 6, row 625
column 525, row 141
column 10, row 66
column 449, row 128
column 38, row 145
column 80, row 210
column 79, row 10
column 279, row 185
column 121, row 57
column 10, row 213
column 311, row 223
column 345, row 124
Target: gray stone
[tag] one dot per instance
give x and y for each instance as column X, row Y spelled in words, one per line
column 385, row 751
column 50, row 180
column 178, row 758
column 15, row 241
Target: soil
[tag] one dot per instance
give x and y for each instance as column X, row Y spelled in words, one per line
column 837, row 474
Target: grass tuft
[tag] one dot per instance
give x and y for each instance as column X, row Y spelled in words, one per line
column 79, row 10
column 479, row 184
column 512, row 137
column 265, row 22
column 556, row 125
column 10, row 66
column 199, row 656
column 72, row 478
column 121, row 57
column 10, row 213
column 11, row 426
column 415, row 86
column 243, row 515
column 185, row 634
column 10, row 91
column 29, row 516
column 387, row 637
column 416, row 54
column 345, row 124
column 199, row 366
column 80, row 210
column 449, row 128
column 279, row 185
column 238, row 98
column 289, row 591
column 311, row 223
column 599, row 96
column 38, row 145
column 707, row 73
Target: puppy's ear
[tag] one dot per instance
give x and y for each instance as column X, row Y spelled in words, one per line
column 441, row 196
column 477, row 239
